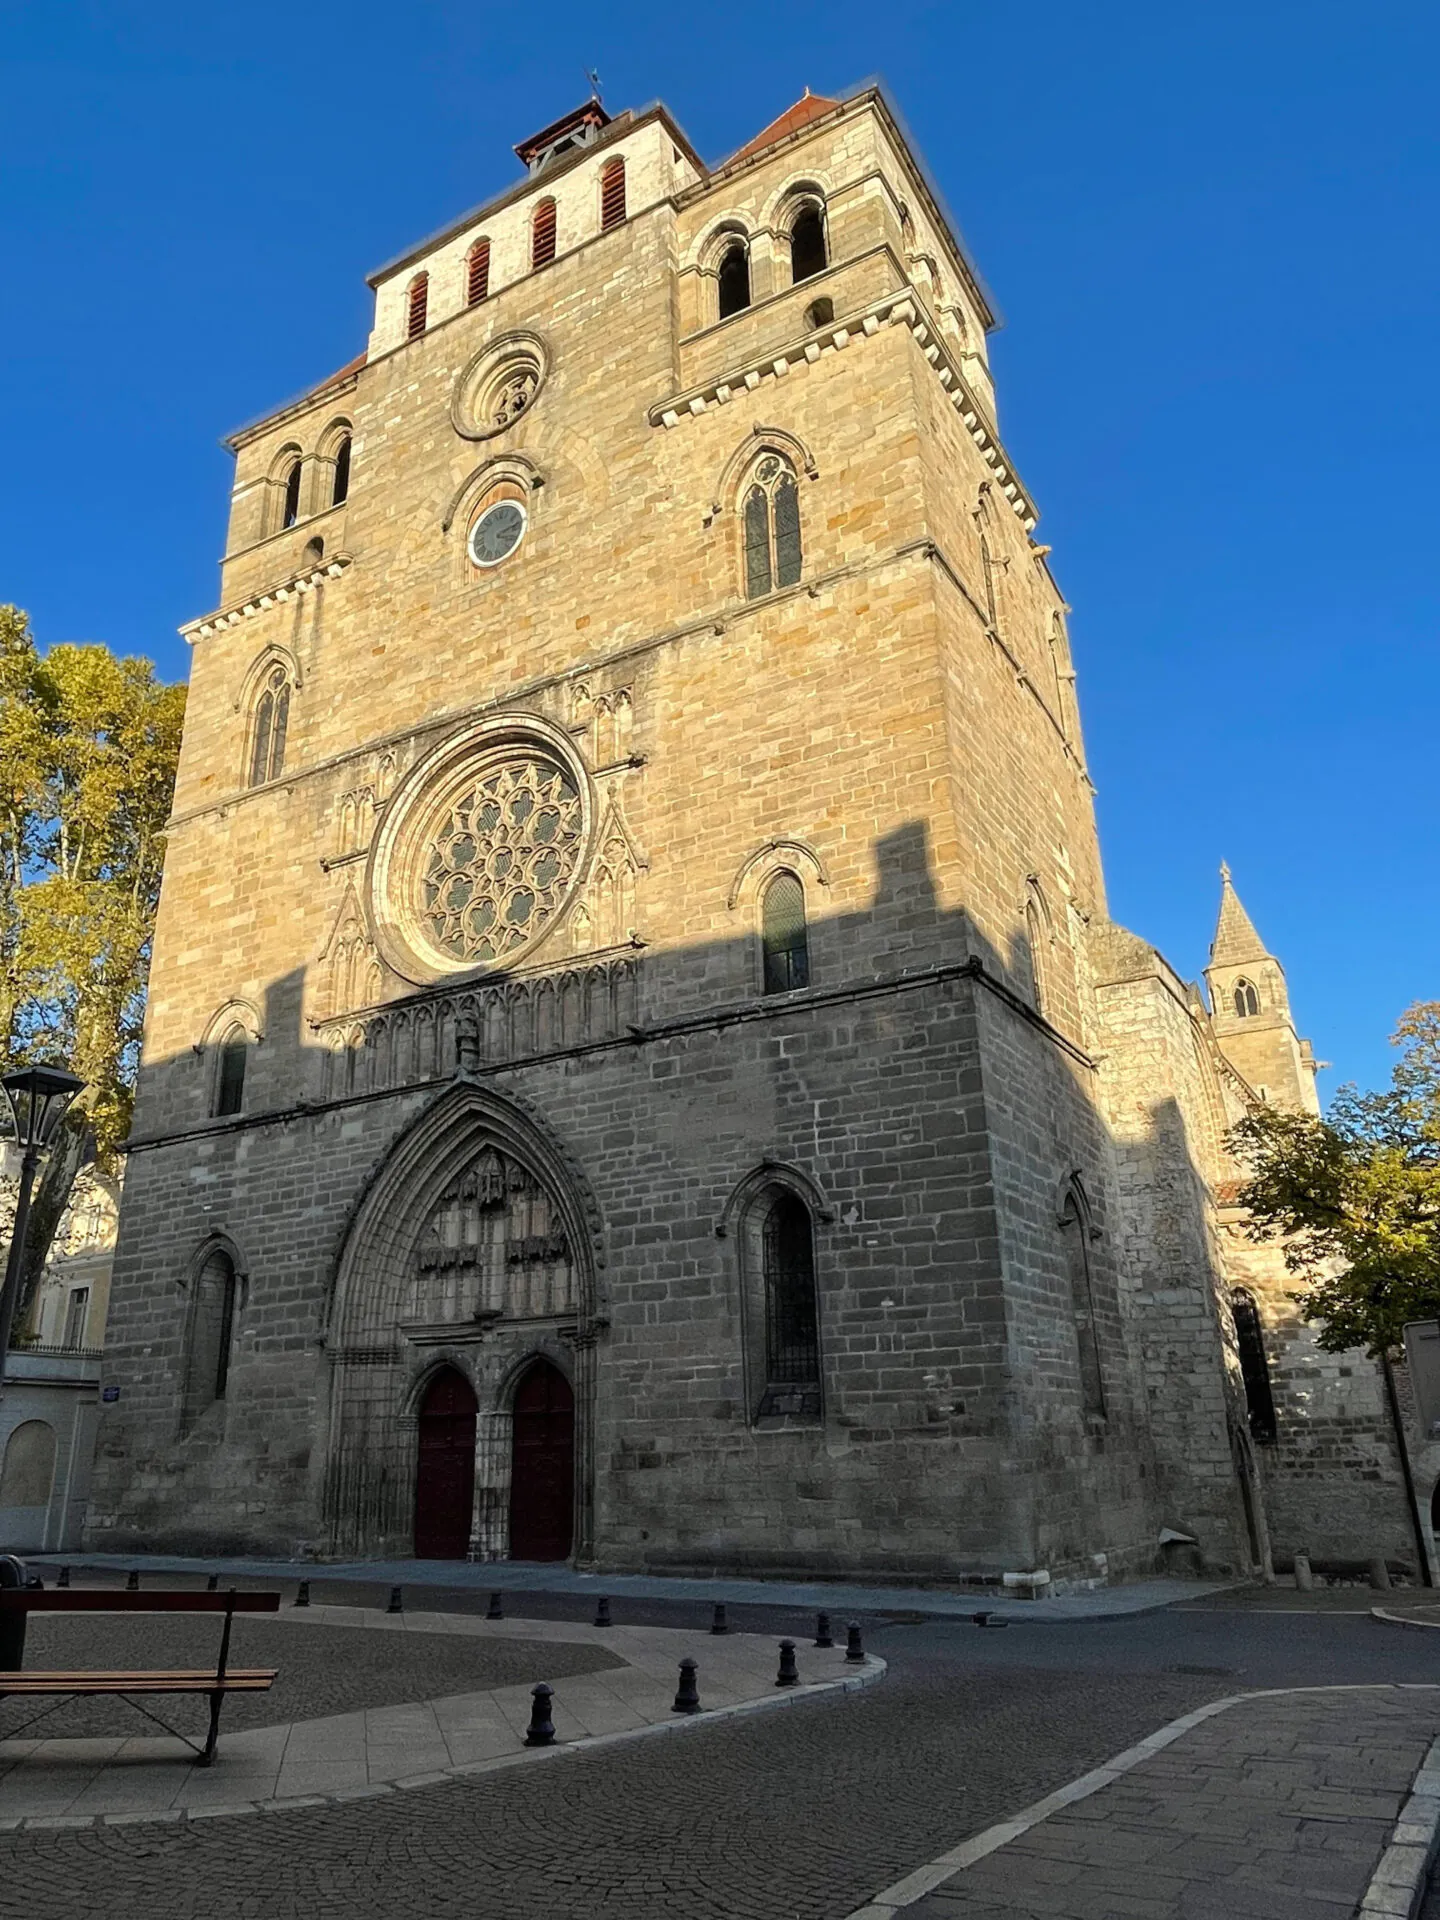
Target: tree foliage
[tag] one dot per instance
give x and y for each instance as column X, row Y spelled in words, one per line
column 88, row 746
column 1356, row 1196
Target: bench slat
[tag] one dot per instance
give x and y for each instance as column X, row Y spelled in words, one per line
column 113, row 1600
column 16, row 1684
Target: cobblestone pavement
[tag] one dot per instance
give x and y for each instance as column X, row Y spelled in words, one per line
column 801, row 1815
column 1277, row 1807
column 322, row 1670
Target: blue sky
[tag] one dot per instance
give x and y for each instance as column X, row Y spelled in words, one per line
column 1212, row 232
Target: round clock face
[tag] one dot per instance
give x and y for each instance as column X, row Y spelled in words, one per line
column 497, row 533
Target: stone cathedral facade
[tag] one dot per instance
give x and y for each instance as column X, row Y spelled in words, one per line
column 639, row 1068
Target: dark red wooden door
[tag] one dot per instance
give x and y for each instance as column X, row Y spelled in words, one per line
column 445, row 1475
column 542, row 1481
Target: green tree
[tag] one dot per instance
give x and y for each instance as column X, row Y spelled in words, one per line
column 88, row 745
column 1356, row 1196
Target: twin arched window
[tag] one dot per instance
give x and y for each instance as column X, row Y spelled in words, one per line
column 417, row 306
column 267, row 737
column 612, row 194
column 772, row 527
column 1247, row 1000
column 340, row 477
column 290, row 507
column 733, row 277
column 808, row 254
column 477, row 273
column 542, row 234
column 784, row 937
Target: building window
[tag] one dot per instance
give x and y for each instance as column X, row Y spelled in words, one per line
column 542, row 235
column 230, row 1080
column 612, row 194
column 212, row 1331
column 272, row 717
column 807, row 244
column 792, row 1338
column 77, row 1312
column 820, row 313
column 477, row 273
column 1037, row 940
column 1247, row 1000
column 1254, row 1366
column 783, row 937
column 417, row 306
column 1075, row 1232
column 340, row 483
column 290, row 511
column 734, row 279
column 772, row 528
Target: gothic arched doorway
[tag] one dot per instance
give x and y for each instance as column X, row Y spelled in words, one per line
column 445, row 1469
column 542, row 1478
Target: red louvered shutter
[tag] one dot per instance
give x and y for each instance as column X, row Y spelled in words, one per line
column 477, row 277
column 542, row 236
column 419, row 305
column 612, row 194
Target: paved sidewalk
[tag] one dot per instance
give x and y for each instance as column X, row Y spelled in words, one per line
column 356, row 1755
column 517, row 1576
column 1273, row 1805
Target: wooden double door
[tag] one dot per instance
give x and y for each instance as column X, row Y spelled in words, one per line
column 542, row 1479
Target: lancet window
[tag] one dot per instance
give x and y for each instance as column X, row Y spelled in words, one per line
column 268, row 728
column 771, row 513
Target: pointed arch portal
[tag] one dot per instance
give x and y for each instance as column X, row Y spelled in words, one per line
column 461, row 1339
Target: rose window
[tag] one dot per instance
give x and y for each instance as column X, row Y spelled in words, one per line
column 498, row 863
column 513, row 395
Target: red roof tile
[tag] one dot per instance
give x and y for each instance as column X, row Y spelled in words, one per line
column 810, row 107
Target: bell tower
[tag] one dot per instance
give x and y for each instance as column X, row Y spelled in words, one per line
column 1251, row 1009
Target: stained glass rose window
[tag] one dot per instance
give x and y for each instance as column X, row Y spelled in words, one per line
column 498, row 863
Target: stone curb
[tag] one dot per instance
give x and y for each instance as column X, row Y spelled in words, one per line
column 1397, row 1885
column 886, row 1904
column 873, row 1670
column 1402, row 1620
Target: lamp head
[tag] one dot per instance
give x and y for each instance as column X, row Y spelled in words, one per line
column 38, row 1099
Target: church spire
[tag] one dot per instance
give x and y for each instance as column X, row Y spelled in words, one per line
column 1236, row 940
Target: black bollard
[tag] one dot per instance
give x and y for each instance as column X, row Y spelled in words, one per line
column 687, row 1696
column 212, row 1585
column 494, row 1611
column 541, row 1731
column 789, row 1674
column 717, row 1625
column 981, row 1619
column 396, row 1605
column 132, row 1580
column 823, row 1635
column 302, row 1594
column 602, row 1613
column 64, row 1579
column 853, row 1648
column 12, row 1625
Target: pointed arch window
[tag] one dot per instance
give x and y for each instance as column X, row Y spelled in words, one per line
column 792, row 1337
column 271, row 723
column 772, row 527
column 1254, row 1366
column 211, row 1336
column 1075, row 1233
column 340, row 482
column 733, row 277
column 808, row 254
column 477, row 273
column 1037, row 940
column 290, row 509
column 542, row 234
column 612, row 194
column 230, row 1077
column 417, row 306
column 1247, row 1000
column 784, row 937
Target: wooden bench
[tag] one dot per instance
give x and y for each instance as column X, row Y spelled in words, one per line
column 216, row 1682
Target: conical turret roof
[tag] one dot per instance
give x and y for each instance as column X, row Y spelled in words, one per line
column 1236, row 940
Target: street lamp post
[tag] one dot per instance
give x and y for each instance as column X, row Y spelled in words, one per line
column 38, row 1099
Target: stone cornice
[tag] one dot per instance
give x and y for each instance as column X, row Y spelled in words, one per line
column 297, row 583
column 902, row 308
